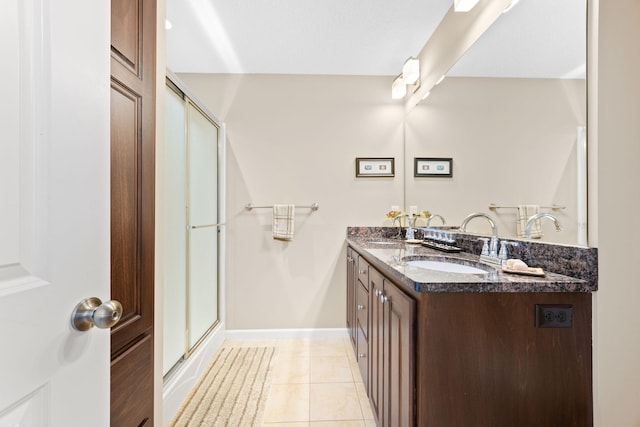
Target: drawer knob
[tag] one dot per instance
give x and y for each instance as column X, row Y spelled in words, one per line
column 361, row 355
column 360, row 307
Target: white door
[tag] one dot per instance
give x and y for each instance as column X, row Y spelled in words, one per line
column 54, row 210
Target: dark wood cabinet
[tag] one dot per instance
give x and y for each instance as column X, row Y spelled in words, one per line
column 392, row 386
column 351, row 295
column 451, row 359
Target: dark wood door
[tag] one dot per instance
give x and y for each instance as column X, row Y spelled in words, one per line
column 376, row 344
column 133, row 34
column 398, row 357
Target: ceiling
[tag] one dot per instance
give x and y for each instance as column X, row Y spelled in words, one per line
column 537, row 38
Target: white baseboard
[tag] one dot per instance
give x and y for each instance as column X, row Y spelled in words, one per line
column 262, row 334
column 179, row 384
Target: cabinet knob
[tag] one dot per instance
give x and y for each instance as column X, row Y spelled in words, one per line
column 378, row 292
column 384, row 298
column 361, row 355
column 362, row 271
column 360, row 307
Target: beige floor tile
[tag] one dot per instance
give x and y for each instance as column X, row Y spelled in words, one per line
column 291, row 370
column 330, row 369
column 336, row 424
column 287, row 402
column 334, row 401
column 295, row 347
column 369, row 423
column 328, row 347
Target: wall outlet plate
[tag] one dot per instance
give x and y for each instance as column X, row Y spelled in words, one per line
column 554, row 316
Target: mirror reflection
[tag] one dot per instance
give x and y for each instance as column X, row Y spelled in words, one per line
column 512, row 116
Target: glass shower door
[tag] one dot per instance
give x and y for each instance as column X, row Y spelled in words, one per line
column 202, row 235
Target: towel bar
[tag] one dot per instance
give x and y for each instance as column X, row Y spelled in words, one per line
column 313, row 206
column 493, row 206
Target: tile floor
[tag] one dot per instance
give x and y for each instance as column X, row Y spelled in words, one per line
column 315, row 383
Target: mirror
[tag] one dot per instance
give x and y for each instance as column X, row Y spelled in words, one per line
column 512, row 116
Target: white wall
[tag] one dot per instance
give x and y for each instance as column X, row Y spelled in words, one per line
column 617, row 317
column 294, row 139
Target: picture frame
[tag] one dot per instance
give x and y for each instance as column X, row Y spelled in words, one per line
column 438, row 167
column 375, row 167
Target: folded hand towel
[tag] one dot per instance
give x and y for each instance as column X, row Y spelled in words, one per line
column 524, row 213
column 283, row 220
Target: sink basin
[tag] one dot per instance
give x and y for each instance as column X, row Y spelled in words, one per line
column 446, row 266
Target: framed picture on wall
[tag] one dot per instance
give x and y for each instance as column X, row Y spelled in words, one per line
column 433, row 167
column 375, row 167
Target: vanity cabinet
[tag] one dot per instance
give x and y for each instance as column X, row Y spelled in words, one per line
column 391, row 380
column 358, row 311
column 481, row 359
column 352, row 257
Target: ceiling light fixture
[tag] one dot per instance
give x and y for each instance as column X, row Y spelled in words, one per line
column 411, row 71
column 464, row 5
column 410, row 76
column 398, row 88
column 167, row 24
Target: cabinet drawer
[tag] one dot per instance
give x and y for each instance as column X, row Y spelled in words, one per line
column 363, row 272
column 362, row 309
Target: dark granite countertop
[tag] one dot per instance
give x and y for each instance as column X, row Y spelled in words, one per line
column 389, row 256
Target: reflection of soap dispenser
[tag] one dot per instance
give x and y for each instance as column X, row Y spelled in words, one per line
column 485, row 245
column 410, row 233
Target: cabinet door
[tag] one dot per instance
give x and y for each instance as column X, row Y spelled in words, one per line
column 351, row 295
column 376, row 345
column 398, row 357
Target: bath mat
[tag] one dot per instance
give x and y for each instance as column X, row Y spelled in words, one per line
column 232, row 393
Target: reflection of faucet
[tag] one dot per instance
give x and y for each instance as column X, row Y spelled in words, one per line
column 534, row 218
column 433, row 216
column 493, row 247
column 399, row 219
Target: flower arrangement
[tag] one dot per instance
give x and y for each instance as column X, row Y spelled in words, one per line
column 395, row 214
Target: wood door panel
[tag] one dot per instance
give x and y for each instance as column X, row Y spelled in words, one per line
column 126, row 35
column 131, row 379
column 133, row 32
column 126, row 215
column 125, row 212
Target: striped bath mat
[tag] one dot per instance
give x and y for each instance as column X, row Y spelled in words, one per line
column 233, row 391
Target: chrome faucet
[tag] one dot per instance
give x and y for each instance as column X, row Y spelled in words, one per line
column 534, row 218
column 433, row 216
column 493, row 246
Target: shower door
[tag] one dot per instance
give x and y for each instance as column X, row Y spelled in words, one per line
column 191, row 262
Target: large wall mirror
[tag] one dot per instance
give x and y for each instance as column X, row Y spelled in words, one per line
column 512, row 116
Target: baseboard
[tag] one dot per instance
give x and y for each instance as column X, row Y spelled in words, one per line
column 252, row 334
column 179, row 383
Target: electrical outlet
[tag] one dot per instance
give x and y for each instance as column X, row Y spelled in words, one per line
column 554, row 315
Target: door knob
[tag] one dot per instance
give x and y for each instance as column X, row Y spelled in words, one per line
column 92, row 312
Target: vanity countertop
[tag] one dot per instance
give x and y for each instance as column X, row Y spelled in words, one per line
column 387, row 255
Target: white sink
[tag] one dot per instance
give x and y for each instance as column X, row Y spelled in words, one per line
column 449, row 267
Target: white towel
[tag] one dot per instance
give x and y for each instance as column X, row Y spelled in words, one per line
column 283, row 220
column 524, row 213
